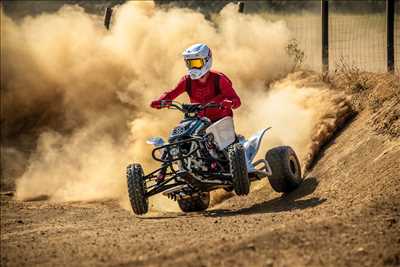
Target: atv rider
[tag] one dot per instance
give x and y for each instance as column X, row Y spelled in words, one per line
column 203, row 86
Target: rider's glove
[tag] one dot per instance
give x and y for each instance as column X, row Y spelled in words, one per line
column 156, row 104
column 227, row 104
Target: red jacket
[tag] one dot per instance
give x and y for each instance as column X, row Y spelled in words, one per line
column 207, row 92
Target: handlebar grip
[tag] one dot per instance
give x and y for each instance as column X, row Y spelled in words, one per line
column 165, row 103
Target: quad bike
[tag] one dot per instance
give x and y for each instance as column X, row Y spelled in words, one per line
column 201, row 156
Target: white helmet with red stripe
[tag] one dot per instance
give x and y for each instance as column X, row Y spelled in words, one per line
column 198, row 59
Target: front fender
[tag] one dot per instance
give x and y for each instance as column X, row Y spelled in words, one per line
column 252, row 145
column 155, row 141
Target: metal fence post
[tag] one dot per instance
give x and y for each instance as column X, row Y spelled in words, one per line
column 325, row 35
column 107, row 17
column 390, row 34
column 241, row 7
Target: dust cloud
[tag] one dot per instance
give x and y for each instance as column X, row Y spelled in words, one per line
column 84, row 91
column 304, row 112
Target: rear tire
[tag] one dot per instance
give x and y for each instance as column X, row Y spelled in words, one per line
column 238, row 167
column 198, row 203
column 286, row 171
column 137, row 189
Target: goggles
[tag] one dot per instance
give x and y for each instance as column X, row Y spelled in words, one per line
column 196, row 63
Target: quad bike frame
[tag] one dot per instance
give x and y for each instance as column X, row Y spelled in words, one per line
column 192, row 167
column 257, row 170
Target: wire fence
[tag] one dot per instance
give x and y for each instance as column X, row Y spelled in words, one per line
column 358, row 39
column 303, row 18
column 357, row 31
column 306, row 29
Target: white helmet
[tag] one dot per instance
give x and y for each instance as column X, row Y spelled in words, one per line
column 198, row 59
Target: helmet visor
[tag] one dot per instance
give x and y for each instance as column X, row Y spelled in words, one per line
column 196, row 63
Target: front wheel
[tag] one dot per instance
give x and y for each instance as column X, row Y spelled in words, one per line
column 195, row 203
column 238, row 167
column 285, row 167
column 137, row 189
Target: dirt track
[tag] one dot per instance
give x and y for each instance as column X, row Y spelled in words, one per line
column 345, row 214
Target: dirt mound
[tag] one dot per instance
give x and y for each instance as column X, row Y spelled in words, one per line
column 384, row 101
column 379, row 93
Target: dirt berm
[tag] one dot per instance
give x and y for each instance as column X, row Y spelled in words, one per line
column 345, row 214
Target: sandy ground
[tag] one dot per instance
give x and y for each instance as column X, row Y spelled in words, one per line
column 345, row 214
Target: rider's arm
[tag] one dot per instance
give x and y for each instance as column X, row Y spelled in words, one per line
column 227, row 92
column 174, row 93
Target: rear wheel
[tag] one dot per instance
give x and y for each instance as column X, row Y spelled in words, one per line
column 286, row 171
column 196, row 203
column 237, row 164
column 137, row 189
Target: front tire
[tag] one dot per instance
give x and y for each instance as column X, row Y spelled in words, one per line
column 137, row 189
column 197, row 203
column 286, row 171
column 238, row 167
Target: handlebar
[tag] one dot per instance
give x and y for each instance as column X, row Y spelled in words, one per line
column 188, row 108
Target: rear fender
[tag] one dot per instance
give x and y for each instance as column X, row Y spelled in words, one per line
column 251, row 147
